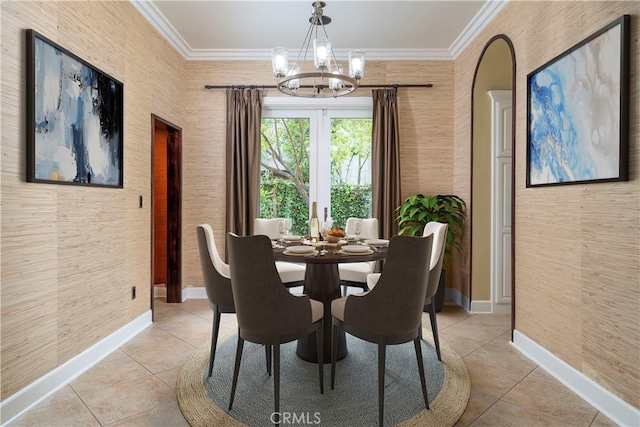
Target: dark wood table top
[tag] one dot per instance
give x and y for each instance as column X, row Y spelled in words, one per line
column 332, row 256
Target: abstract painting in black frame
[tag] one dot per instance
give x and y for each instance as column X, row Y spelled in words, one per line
column 578, row 112
column 74, row 118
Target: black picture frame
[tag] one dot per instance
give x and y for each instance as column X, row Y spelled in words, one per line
column 75, row 118
column 578, row 112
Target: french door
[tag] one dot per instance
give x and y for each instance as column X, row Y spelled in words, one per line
column 316, row 150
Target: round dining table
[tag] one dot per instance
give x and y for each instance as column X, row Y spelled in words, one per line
column 322, row 283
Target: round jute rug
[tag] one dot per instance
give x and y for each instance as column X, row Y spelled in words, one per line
column 204, row 401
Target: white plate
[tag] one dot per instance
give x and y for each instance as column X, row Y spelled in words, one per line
column 342, row 251
column 323, row 243
column 313, row 252
column 300, row 249
column 377, row 242
column 356, row 249
column 292, row 238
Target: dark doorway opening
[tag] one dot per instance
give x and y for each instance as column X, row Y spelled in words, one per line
column 166, row 220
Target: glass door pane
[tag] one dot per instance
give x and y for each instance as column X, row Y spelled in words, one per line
column 284, row 170
column 350, row 168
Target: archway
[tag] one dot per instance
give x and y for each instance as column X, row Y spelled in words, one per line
column 492, row 188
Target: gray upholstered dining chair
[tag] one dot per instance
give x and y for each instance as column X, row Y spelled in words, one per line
column 216, row 275
column 391, row 313
column 267, row 313
column 291, row 274
column 355, row 273
column 439, row 232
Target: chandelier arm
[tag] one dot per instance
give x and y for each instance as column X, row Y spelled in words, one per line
column 333, row 55
column 350, row 83
column 304, row 48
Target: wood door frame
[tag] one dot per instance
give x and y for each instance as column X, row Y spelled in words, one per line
column 174, row 209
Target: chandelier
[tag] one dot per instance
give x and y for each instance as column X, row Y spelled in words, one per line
column 324, row 77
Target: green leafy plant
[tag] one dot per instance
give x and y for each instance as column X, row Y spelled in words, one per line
column 418, row 210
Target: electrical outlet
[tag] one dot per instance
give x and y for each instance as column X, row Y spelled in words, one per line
column 133, row 292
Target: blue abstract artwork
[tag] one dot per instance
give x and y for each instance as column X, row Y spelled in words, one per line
column 77, row 120
column 574, row 114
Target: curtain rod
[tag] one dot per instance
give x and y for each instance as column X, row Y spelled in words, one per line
column 427, row 85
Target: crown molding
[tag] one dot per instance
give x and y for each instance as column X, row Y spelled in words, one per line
column 372, row 54
column 484, row 16
column 153, row 15
column 158, row 21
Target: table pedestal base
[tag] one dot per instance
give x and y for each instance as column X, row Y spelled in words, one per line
column 322, row 283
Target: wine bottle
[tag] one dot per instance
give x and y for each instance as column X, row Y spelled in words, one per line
column 314, row 225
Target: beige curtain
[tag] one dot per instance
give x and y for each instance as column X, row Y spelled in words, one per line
column 385, row 160
column 244, row 112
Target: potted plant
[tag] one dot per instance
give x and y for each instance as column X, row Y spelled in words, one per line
column 418, row 210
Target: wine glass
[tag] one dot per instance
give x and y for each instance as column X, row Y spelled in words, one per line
column 282, row 229
column 324, row 231
column 288, row 225
column 357, row 229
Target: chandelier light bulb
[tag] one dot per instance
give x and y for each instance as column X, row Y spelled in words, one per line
column 321, row 53
column 279, row 61
column 295, row 83
column 356, row 64
column 336, row 84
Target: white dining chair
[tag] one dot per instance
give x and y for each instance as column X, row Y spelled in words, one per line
column 355, row 273
column 291, row 274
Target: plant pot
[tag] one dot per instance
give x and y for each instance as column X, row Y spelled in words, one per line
column 441, row 292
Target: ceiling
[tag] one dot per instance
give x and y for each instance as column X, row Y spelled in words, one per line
column 385, row 30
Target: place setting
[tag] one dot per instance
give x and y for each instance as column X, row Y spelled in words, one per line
column 300, row 250
column 292, row 238
column 377, row 243
column 357, row 250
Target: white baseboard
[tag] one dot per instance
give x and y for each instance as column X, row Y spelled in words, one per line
column 614, row 408
column 187, row 293
column 159, row 291
column 476, row 306
column 481, row 306
column 486, row 306
column 457, row 297
column 198, row 292
column 194, row 293
column 39, row 390
column 501, row 308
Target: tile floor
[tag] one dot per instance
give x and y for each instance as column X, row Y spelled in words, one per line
column 134, row 386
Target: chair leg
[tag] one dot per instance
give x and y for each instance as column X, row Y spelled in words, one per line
column 434, row 328
column 214, row 337
column 276, row 380
column 334, row 352
column 382, row 353
column 267, row 349
column 320, row 348
column 236, row 369
column 423, row 381
column 362, row 286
